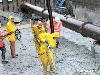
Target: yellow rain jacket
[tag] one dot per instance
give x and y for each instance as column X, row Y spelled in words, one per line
column 36, row 30
column 51, row 38
column 10, row 28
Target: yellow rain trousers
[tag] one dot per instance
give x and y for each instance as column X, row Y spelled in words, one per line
column 10, row 28
column 46, row 55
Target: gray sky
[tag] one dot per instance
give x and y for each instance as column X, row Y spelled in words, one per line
column 0, row 0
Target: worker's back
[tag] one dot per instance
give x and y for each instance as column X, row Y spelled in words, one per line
column 10, row 28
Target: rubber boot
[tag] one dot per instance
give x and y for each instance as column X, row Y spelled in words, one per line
column 44, row 69
column 52, row 61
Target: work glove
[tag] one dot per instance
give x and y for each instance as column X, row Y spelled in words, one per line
column 9, row 33
column 49, row 47
column 35, row 36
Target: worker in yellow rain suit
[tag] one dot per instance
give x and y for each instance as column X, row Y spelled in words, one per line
column 10, row 29
column 57, row 27
column 42, row 47
column 48, row 43
column 36, row 30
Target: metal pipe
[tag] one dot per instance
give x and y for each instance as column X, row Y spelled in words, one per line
column 50, row 15
column 88, row 30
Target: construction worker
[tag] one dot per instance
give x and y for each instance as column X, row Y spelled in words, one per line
column 41, row 38
column 40, row 47
column 57, row 27
column 47, row 46
column 36, row 30
column 10, row 29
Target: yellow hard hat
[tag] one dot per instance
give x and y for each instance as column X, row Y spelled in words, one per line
column 10, row 17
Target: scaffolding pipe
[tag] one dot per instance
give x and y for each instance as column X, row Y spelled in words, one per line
column 86, row 29
column 50, row 15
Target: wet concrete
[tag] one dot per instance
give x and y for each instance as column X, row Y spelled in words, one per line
column 72, row 58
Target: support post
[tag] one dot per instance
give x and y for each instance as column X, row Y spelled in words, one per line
column 50, row 15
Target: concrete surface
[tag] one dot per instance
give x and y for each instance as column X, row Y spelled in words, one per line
column 73, row 57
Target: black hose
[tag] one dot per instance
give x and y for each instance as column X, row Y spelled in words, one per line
column 50, row 15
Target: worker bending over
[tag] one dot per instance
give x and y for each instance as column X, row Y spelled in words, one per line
column 57, row 27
